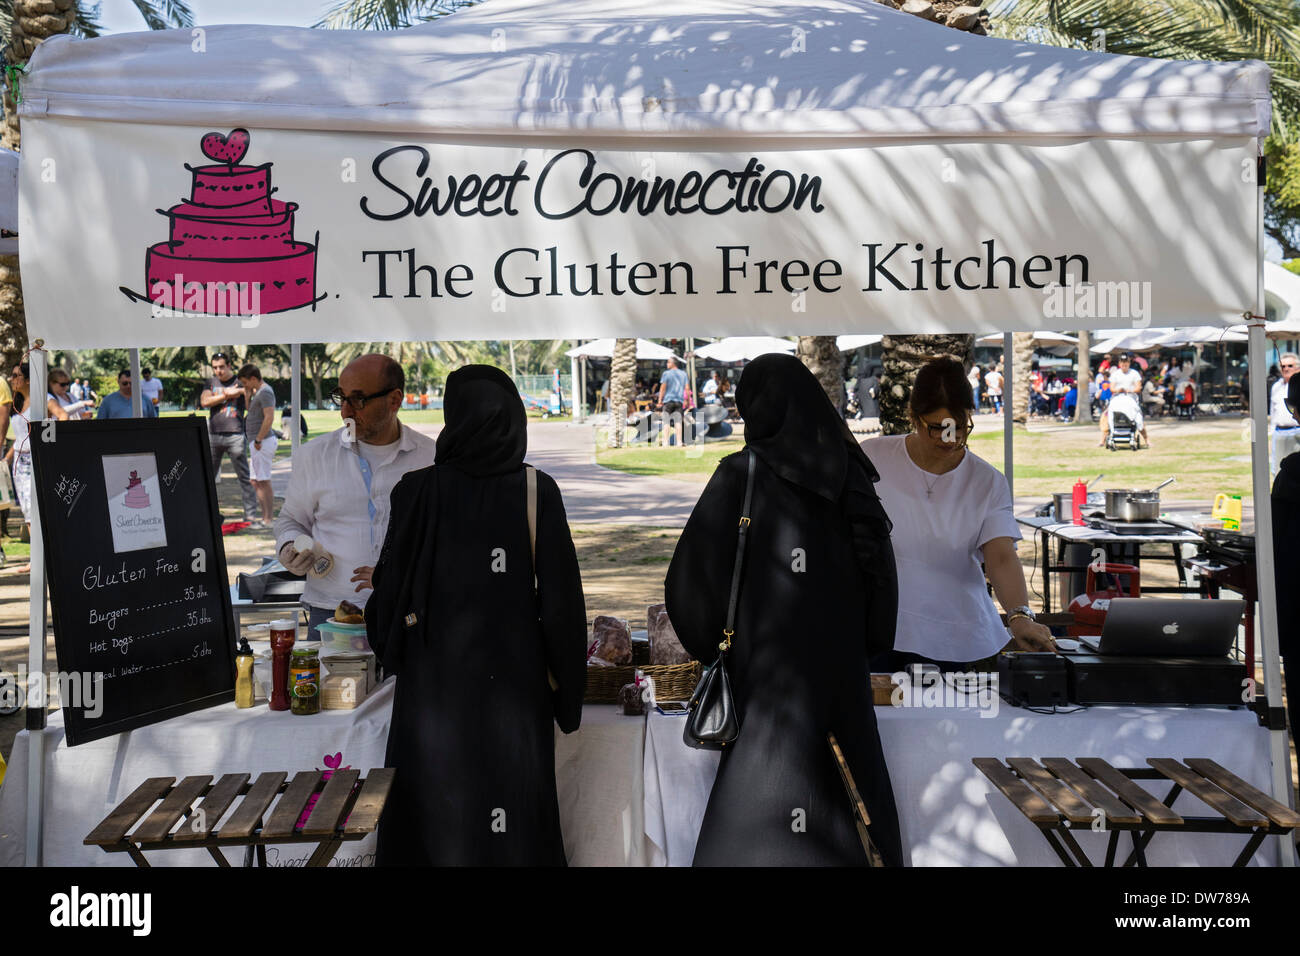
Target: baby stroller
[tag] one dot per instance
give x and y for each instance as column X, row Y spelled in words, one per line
column 1123, row 430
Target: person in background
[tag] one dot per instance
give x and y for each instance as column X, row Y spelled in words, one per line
column 1284, row 429
column 286, row 419
column 74, row 391
column 150, row 388
column 671, row 399
column 60, row 391
column 118, row 405
column 1124, row 385
column 1070, row 402
column 224, row 400
column 710, row 390
column 974, row 376
column 865, row 392
column 339, row 487
column 260, row 402
column 993, row 385
column 20, row 453
column 490, row 654
column 951, row 513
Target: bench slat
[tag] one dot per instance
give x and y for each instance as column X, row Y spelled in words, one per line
column 217, row 802
column 243, row 821
column 1114, row 808
column 1228, row 806
column 370, row 802
column 291, row 804
column 1129, row 792
column 1279, row 813
column 159, row 823
column 1065, row 799
column 1014, row 789
column 121, row 818
column 325, row 815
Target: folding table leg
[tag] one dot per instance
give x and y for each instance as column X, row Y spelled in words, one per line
column 324, row 853
column 1251, row 846
column 1077, row 850
column 261, row 855
column 1060, row 851
column 218, row 856
column 1140, row 840
column 136, row 855
column 1111, row 846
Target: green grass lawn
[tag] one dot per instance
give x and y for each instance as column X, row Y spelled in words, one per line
column 675, row 462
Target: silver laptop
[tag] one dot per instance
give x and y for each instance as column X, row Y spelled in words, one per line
column 1155, row 627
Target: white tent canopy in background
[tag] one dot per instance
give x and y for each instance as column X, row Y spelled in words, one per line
column 604, row 348
column 1042, row 339
column 642, row 129
column 1200, row 335
column 847, row 343
column 743, row 348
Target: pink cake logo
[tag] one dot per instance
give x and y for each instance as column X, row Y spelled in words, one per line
column 230, row 248
column 136, row 496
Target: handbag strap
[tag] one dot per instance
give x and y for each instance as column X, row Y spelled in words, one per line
column 530, row 479
column 730, row 629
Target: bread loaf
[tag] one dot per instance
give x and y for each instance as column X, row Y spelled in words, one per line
column 612, row 640
column 665, row 648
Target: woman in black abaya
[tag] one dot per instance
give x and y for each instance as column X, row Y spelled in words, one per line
column 485, row 665
column 818, row 597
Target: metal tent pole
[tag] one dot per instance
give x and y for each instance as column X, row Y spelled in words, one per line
column 1265, row 584
column 1008, row 431
column 295, row 397
column 137, row 393
column 35, row 850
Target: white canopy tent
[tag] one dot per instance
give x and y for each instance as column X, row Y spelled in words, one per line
column 1042, row 339
column 528, row 169
column 847, row 343
column 743, row 348
column 604, row 348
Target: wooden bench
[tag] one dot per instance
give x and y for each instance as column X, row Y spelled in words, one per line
column 347, row 808
column 1058, row 795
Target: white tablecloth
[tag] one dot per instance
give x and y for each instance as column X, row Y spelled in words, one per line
column 948, row 812
column 598, row 778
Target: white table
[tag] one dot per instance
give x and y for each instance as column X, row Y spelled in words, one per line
column 950, row 815
column 598, row 778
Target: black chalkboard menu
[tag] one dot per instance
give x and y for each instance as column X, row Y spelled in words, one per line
column 136, row 570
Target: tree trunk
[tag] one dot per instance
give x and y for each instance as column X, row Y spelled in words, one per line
column 622, row 388
column 33, row 22
column 1021, row 365
column 902, row 357
column 823, row 358
column 1084, row 405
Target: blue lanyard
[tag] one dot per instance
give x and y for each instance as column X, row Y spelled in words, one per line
column 370, row 501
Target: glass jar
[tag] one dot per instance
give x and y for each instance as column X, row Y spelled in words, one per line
column 304, row 680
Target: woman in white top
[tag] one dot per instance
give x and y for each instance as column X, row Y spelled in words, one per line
column 951, row 512
column 60, row 391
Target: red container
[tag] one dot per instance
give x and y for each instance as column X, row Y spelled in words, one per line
column 1078, row 499
column 1089, row 609
column 283, row 634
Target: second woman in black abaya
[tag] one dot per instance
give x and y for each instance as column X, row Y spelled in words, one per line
column 818, row 597
column 455, row 616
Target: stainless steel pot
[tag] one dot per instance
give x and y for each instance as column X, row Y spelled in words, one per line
column 1064, row 504
column 1123, row 504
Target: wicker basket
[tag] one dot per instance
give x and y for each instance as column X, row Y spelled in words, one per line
column 672, row 681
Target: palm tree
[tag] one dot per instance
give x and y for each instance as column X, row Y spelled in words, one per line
column 1020, row 362
column 622, row 388
column 25, row 25
column 823, row 358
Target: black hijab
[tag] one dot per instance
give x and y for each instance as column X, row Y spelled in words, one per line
column 792, row 425
column 486, row 430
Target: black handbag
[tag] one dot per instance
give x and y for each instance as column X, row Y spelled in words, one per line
column 711, row 719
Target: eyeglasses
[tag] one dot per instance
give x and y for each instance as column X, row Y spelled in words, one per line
column 949, row 427
column 356, row 399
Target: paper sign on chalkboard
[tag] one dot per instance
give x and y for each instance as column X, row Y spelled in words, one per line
column 143, row 628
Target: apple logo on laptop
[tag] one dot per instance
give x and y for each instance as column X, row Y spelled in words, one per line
column 1170, row 628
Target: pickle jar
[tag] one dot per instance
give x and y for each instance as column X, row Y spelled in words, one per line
column 304, row 680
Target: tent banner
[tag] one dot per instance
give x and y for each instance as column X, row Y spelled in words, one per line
column 142, row 235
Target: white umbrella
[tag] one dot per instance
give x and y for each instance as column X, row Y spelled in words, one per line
column 1041, row 339
column 604, row 348
column 1200, row 335
column 742, row 348
column 1134, row 340
column 847, row 343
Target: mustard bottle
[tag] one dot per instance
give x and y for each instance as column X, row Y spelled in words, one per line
column 244, row 674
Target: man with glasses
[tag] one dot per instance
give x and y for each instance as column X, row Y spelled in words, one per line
column 338, row 490
column 1284, row 429
column 118, row 405
column 224, row 399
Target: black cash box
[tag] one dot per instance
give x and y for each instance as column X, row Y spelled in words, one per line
column 1094, row 679
column 1032, row 678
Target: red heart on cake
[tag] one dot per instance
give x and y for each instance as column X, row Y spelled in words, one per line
column 226, row 149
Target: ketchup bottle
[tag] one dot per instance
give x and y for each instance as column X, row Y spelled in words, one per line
column 1077, row 500
column 282, row 637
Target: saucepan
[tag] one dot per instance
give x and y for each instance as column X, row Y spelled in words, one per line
column 1124, row 504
